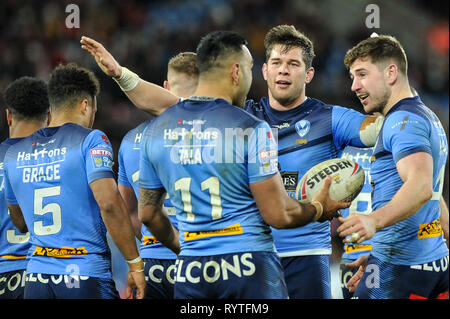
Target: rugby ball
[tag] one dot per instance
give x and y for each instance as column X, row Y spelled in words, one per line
column 347, row 180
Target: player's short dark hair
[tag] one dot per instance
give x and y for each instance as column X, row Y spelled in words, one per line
column 70, row 83
column 288, row 36
column 380, row 49
column 184, row 62
column 27, row 98
column 216, row 46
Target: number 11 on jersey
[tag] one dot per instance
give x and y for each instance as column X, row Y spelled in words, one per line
column 212, row 185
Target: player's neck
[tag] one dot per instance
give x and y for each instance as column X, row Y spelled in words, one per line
column 22, row 129
column 275, row 104
column 64, row 118
column 215, row 91
column 398, row 94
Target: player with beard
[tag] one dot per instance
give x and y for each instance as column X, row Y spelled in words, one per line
column 219, row 165
column 407, row 176
column 309, row 132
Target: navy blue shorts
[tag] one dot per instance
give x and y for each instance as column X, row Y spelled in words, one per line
column 387, row 281
column 247, row 275
column 345, row 274
column 12, row 284
column 160, row 278
column 308, row 277
column 44, row 286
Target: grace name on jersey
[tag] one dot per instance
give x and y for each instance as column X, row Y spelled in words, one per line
column 41, row 173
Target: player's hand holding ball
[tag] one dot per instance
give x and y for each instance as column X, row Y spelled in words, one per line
column 331, row 185
column 324, row 203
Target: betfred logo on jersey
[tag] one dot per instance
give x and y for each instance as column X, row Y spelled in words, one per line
column 267, row 154
column 102, row 157
column 100, row 151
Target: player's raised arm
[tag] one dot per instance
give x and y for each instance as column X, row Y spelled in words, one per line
column 146, row 96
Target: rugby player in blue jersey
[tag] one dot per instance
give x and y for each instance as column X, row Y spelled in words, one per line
column 219, row 165
column 409, row 257
column 309, row 132
column 159, row 261
column 60, row 187
column 27, row 110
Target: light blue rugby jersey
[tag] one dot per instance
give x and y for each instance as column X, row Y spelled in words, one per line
column 205, row 152
column 362, row 204
column 14, row 245
column 129, row 156
column 409, row 127
column 48, row 175
column 307, row 135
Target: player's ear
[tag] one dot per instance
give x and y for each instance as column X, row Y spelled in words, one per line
column 235, row 73
column 8, row 117
column 49, row 117
column 264, row 71
column 309, row 74
column 391, row 73
column 83, row 105
column 166, row 85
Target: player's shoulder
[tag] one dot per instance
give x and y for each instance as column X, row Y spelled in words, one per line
column 73, row 128
column 4, row 146
column 130, row 136
column 243, row 117
column 221, row 108
column 74, row 135
column 409, row 111
column 411, row 107
column 316, row 103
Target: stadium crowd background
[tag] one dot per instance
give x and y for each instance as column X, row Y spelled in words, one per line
column 143, row 35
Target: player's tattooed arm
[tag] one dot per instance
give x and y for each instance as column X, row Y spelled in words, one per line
column 153, row 216
column 151, row 197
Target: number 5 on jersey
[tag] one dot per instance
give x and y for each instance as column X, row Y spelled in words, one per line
column 50, row 208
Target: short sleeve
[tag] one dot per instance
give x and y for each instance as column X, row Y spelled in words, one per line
column 122, row 174
column 406, row 133
column 346, row 125
column 98, row 155
column 262, row 154
column 148, row 178
column 8, row 191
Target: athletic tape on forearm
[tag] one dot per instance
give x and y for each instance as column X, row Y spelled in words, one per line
column 128, row 80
